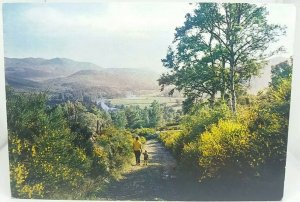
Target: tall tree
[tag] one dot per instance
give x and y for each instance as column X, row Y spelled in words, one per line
column 219, row 47
column 119, row 118
column 134, row 116
column 145, row 117
column 155, row 114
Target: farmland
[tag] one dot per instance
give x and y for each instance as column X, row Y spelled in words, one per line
column 145, row 100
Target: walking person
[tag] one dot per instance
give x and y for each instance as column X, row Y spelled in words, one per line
column 137, row 148
column 146, row 157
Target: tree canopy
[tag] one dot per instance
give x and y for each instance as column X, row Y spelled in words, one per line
column 218, row 49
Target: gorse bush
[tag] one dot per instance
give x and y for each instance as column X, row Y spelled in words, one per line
column 199, row 120
column 48, row 158
column 271, row 125
column 41, row 148
column 224, row 149
column 170, row 140
column 112, row 150
column 249, row 145
column 193, row 125
column 20, row 175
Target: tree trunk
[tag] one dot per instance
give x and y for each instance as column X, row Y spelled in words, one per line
column 97, row 128
column 223, row 87
column 75, row 113
column 232, row 87
column 212, row 100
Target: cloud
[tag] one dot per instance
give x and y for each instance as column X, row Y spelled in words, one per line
column 285, row 15
column 114, row 34
column 125, row 19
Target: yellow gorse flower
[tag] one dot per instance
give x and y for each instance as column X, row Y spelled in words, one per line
column 35, row 189
column 99, row 152
column 33, row 151
column 20, row 173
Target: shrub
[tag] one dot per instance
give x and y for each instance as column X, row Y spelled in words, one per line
column 19, row 174
column 190, row 156
column 170, row 140
column 224, row 150
column 195, row 123
column 112, row 151
column 46, row 158
column 170, row 127
column 271, row 124
column 147, row 133
column 198, row 121
column 42, row 156
column 143, row 140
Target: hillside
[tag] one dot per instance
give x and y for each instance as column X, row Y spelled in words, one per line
column 39, row 69
column 107, row 82
column 64, row 75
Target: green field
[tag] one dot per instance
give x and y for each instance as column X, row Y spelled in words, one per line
column 147, row 100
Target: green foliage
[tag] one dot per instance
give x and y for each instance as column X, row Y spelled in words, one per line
column 280, row 72
column 193, row 125
column 188, row 104
column 56, row 148
column 247, row 146
column 112, row 151
column 170, row 127
column 119, row 118
column 169, row 115
column 148, row 133
column 224, row 150
column 200, row 119
column 26, row 114
column 38, row 143
column 155, row 114
column 170, row 139
column 135, row 117
column 51, row 150
column 217, row 50
column 271, row 125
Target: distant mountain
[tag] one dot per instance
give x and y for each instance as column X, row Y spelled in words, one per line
column 39, row 69
column 110, row 82
column 61, row 75
column 23, row 83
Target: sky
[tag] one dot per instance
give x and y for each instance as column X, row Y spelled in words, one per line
column 122, row 35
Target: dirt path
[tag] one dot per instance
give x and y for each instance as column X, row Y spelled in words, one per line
column 157, row 181
column 163, row 180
